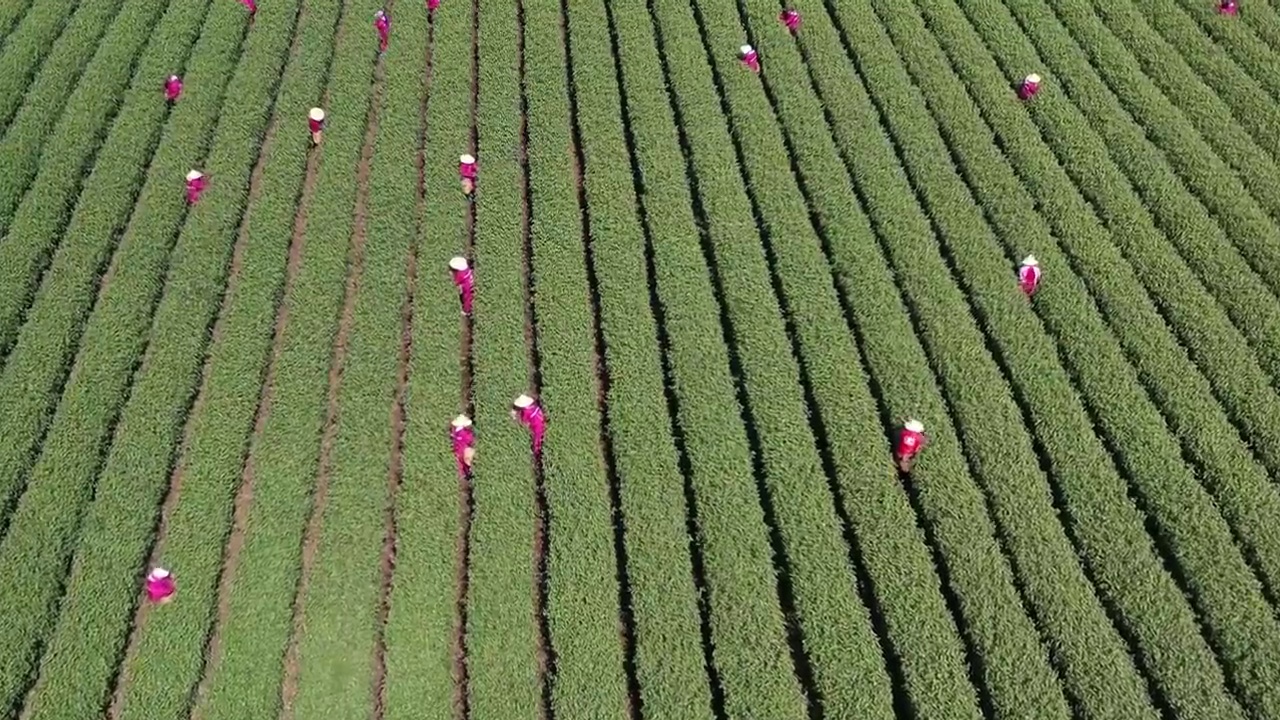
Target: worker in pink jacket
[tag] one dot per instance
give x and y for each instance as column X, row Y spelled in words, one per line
column 172, row 88
column 160, row 586
column 911, row 440
column 196, row 184
column 791, row 19
column 1228, row 7
column 250, row 5
column 315, row 120
column 1029, row 275
column 432, row 5
column 382, row 23
column 1029, row 87
column 468, row 172
column 465, row 279
column 529, row 414
column 464, row 441
column 749, row 58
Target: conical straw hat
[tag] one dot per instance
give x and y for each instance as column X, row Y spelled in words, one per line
column 745, row 49
column 158, row 574
column 914, row 425
column 462, row 421
column 195, row 175
column 467, row 160
column 458, row 263
column 1030, row 260
column 1033, row 78
column 316, row 114
column 523, row 401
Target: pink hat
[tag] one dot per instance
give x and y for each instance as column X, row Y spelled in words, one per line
column 195, row 175
column 157, row 574
column 1033, row 78
column 914, row 425
column 1030, row 260
column 458, row 263
column 461, row 421
column 316, row 114
column 523, row 401
column 467, row 160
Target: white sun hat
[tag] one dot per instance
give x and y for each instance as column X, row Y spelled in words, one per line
column 158, row 574
column 1033, row 78
column 462, row 421
column 174, row 77
column 914, row 425
column 523, row 401
column 745, row 49
column 316, row 114
column 1030, row 260
column 458, row 263
column 195, row 175
column 467, row 160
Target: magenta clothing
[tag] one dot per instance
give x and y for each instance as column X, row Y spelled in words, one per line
column 432, row 4
column 316, row 125
column 752, row 61
column 251, row 5
column 382, row 23
column 194, row 188
column 1029, row 278
column 1228, row 7
column 791, row 19
column 467, row 171
column 172, row 88
column 462, row 439
column 465, row 280
column 1028, row 89
column 533, row 418
column 161, row 589
column 910, row 443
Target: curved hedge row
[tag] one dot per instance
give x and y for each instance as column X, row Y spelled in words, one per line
column 26, row 48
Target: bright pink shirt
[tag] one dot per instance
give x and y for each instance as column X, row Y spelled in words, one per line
column 910, row 443
column 1029, row 278
column 161, row 588
column 316, row 125
column 172, row 88
column 790, row 18
column 467, row 170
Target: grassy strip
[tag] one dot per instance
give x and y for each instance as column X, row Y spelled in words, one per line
column 583, row 608
column 1263, row 20
column 82, row 653
column 502, row 634
column 45, row 99
column 336, row 657
column 24, row 51
column 742, row 595
column 921, row 633
column 41, row 359
column 171, row 368
column 1223, row 193
column 46, row 522
column 1086, row 650
column 10, row 14
column 1240, row 485
column 1193, row 532
column 1107, row 687
column 244, row 679
column 1204, row 247
column 1186, row 678
column 1010, row 652
column 25, row 252
column 1167, row 642
column 669, row 663
column 1259, row 60
column 422, row 620
column 1255, row 110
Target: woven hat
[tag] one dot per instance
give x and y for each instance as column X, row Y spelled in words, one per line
column 174, row 77
column 194, row 175
column 523, row 401
column 1030, row 260
column 914, row 425
column 157, row 574
column 467, row 160
column 1033, row 78
column 458, row 263
column 462, row 421
column 316, row 114
column 745, row 49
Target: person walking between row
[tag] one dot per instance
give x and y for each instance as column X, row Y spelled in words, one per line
column 791, row 19
column 464, row 443
column 749, row 58
column 529, row 414
column 196, row 184
column 172, row 88
column 315, row 120
column 911, row 440
column 382, row 23
column 1029, row 275
column 464, row 278
column 468, row 172
column 160, row 586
